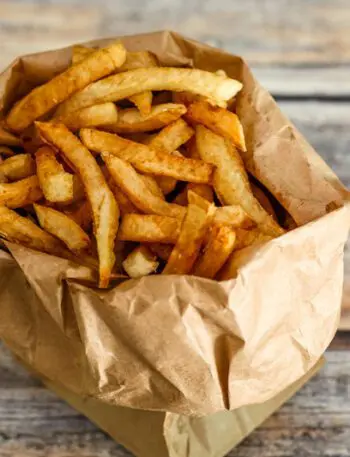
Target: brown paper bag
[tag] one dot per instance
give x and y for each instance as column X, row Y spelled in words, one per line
column 183, row 344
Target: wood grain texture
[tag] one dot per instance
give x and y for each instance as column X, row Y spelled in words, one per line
column 34, row 422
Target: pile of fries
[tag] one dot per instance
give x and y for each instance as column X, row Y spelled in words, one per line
column 118, row 157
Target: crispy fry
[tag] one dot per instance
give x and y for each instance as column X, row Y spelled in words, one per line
column 22, row 230
column 80, row 53
column 8, row 139
column 195, row 225
column 135, row 188
column 216, row 251
column 231, row 180
column 234, row 216
column 263, row 199
column 92, row 116
column 162, row 251
column 171, row 137
column 143, row 102
column 217, row 88
column 152, row 185
column 43, row 98
column 149, row 228
column 6, row 151
column 63, row 228
column 81, row 214
column 219, row 120
column 56, row 184
column 145, row 159
column 140, row 262
column 18, row 167
column 103, row 205
column 132, row 121
column 204, row 190
column 125, row 204
column 249, row 237
column 20, row 193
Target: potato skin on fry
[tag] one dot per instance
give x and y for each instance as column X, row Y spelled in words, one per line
column 103, row 205
column 63, row 227
column 20, row 193
column 43, row 98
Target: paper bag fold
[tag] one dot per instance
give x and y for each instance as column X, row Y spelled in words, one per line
column 179, row 343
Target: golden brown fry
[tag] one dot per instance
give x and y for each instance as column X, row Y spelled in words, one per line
column 172, row 136
column 145, row 159
column 219, row 120
column 191, row 148
column 263, row 199
column 8, row 139
column 186, row 98
column 81, row 214
column 149, row 228
column 63, row 228
column 143, row 102
column 43, row 98
column 234, row 216
column 92, row 116
column 204, row 190
column 135, row 188
column 124, row 203
column 22, row 230
column 246, row 238
column 231, row 180
column 80, row 53
column 140, row 262
column 216, row 251
column 217, row 88
column 18, row 167
column 152, row 185
column 103, row 205
column 6, row 151
column 20, row 193
column 193, row 230
column 56, row 184
column 132, row 121
column 162, row 251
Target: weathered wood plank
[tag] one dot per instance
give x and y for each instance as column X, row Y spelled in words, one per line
column 33, row 421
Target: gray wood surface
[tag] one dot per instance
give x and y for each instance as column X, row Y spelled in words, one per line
column 300, row 51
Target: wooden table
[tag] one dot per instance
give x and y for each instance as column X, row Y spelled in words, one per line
column 301, row 52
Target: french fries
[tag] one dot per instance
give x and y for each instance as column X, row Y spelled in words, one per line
column 145, row 159
column 56, row 184
column 134, row 187
column 233, row 215
column 62, row 227
column 124, row 203
column 132, row 121
column 20, row 193
column 43, row 98
column 143, row 102
column 216, row 251
column 216, row 88
column 140, row 262
column 204, row 190
column 92, row 116
column 172, row 136
column 149, row 228
column 18, row 167
column 219, row 120
column 246, row 238
column 198, row 218
column 81, row 214
column 231, row 180
column 8, row 139
column 104, row 208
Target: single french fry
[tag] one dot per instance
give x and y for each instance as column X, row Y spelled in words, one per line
column 8, row 139
column 62, row 227
column 6, row 151
column 249, row 237
column 20, row 193
column 145, row 159
column 162, row 251
column 140, row 262
column 133, row 185
column 198, row 218
column 171, row 137
column 80, row 53
column 43, row 98
column 81, row 214
column 143, row 102
column 217, row 88
column 103, row 205
column 124, row 203
column 152, row 185
column 204, row 190
column 92, row 116
column 18, row 167
column 219, row 120
column 22, row 230
column 230, row 179
column 56, row 184
column 234, row 216
column 216, row 251
column 149, row 228
column 132, row 121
